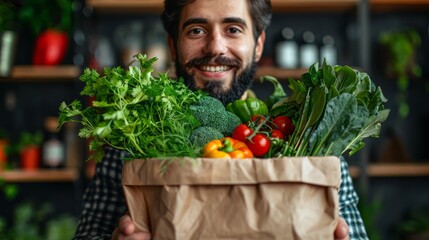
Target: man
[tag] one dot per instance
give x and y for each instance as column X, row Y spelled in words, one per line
column 215, row 46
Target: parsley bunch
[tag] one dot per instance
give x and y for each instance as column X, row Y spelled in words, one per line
column 146, row 116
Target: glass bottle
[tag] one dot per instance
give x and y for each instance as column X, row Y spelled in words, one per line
column 328, row 50
column 287, row 50
column 53, row 154
column 308, row 50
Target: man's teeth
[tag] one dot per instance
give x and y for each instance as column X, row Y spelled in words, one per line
column 214, row 68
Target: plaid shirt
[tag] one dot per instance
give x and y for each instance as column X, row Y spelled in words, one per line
column 104, row 203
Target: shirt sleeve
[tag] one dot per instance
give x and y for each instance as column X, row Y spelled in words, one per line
column 103, row 201
column 348, row 205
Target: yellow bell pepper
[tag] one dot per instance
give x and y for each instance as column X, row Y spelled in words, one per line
column 226, row 148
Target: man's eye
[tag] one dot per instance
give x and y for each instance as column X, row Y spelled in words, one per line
column 234, row 30
column 196, row 31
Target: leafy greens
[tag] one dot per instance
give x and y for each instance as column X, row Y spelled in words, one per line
column 134, row 111
column 334, row 108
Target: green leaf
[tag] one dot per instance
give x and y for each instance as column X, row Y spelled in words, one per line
column 371, row 128
column 341, row 120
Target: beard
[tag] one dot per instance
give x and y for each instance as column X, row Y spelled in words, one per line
column 215, row 88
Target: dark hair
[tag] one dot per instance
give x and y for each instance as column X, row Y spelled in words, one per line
column 260, row 12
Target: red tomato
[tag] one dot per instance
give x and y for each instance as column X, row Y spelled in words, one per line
column 284, row 124
column 259, row 145
column 275, row 133
column 241, row 132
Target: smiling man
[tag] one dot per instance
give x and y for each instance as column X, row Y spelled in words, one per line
column 215, row 45
column 217, row 50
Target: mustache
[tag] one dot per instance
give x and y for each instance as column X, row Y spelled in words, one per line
column 197, row 62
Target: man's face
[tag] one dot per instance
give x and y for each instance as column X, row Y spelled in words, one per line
column 216, row 50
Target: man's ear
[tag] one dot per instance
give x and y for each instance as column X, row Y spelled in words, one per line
column 172, row 48
column 259, row 46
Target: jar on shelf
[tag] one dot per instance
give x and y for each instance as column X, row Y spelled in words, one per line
column 287, row 50
column 308, row 52
column 328, row 50
column 53, row 152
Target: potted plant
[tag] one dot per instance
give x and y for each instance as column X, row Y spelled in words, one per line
column 400, row 48
column 50, row 21
column 28, row 146
column 7, row 37
column 415, row 226
column 33, row 222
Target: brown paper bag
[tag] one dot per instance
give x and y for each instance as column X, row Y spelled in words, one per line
column 278, row 198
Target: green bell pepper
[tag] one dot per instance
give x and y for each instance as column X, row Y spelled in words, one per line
column 245, row 109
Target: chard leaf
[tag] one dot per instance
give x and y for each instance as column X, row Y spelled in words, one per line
column 354, row 110
column 372, row 128
column 329, row 75
column 347, row 80
column 376, row 102
column 338, row 142
column 317, row 104
column 342, row 117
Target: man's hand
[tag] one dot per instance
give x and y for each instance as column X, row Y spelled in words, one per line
column 342, row 230
column 126, row 230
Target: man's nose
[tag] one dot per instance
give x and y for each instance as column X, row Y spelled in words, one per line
column 216, row 44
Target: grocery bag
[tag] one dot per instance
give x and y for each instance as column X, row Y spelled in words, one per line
column 202, row 198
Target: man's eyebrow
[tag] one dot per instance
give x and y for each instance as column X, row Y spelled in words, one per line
column 235, row 20
column 203, row 20
column 194, row 21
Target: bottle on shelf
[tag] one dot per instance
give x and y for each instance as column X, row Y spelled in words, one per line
column 287, row 50
column 328, row 50
column 53, row 153
column 308, row 51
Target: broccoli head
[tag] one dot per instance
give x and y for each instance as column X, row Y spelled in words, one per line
column 211, row 112
column 209, row 102
column 204, row 134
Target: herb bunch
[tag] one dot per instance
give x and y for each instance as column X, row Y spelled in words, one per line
column 134, row 111
column 334, row 108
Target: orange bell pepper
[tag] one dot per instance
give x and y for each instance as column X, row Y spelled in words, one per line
column 226, row 148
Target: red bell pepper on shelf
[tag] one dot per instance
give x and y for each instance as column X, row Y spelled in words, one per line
column 51, row 47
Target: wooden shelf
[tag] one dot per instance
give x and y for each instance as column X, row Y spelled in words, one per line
column 398, row 5
column 30, row 73
column 279, row 73
column 393, row 170
column 313, row 5
column 156, row 6
column 277, row 5
column 127, row 5
column 354, row 171
column 42, row 175
column 284, row 74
